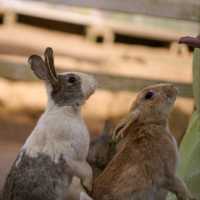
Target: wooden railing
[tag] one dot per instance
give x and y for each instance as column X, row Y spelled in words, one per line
column 178, row 9
column 102, row 23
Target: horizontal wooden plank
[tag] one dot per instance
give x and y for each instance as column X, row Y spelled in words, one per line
column 76, row 53
column 134, row 25
column 134, row 66
column 185, row 9
column 106, row 81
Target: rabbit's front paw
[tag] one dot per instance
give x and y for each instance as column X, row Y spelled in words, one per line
column 87, row 184
column 87, row 178
column 117, row 136
column 84, row 196
column 185, row 197
column 192, row 198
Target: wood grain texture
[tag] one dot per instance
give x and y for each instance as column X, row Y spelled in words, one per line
column 186, row 9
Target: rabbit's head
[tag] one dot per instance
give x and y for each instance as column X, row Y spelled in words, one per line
column 152, row 104
column 155, row 101
column 64, row 89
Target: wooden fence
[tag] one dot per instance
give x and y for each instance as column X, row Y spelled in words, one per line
column 178, row 9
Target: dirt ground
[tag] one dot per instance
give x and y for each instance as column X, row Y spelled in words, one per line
column 22, row 102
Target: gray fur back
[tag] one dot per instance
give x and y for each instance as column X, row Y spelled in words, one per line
column 36, row 179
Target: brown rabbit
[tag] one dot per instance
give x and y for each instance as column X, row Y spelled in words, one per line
column 144, row 168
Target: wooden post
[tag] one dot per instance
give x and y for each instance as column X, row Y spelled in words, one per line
column 10, row 18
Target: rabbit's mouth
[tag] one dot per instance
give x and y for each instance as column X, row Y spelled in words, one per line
column 171, row 100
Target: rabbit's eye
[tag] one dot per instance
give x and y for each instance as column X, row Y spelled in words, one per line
column 149, row 95
column 72, row 79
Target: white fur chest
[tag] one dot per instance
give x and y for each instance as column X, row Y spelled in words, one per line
column 59, row 133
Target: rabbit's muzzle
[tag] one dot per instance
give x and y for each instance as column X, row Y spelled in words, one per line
column 171, row 92
column 88, row 85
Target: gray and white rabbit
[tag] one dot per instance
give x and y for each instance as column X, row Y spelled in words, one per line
column 57, row 149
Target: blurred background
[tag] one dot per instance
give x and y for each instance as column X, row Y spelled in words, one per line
column 126, row 45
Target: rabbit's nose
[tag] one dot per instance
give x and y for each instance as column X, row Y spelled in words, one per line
column 171, row 91
column 175, row 89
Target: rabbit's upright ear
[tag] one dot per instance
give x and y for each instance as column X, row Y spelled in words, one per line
column 49, row 61
column 38, row 66
column 45, row 70
column 120, row 130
